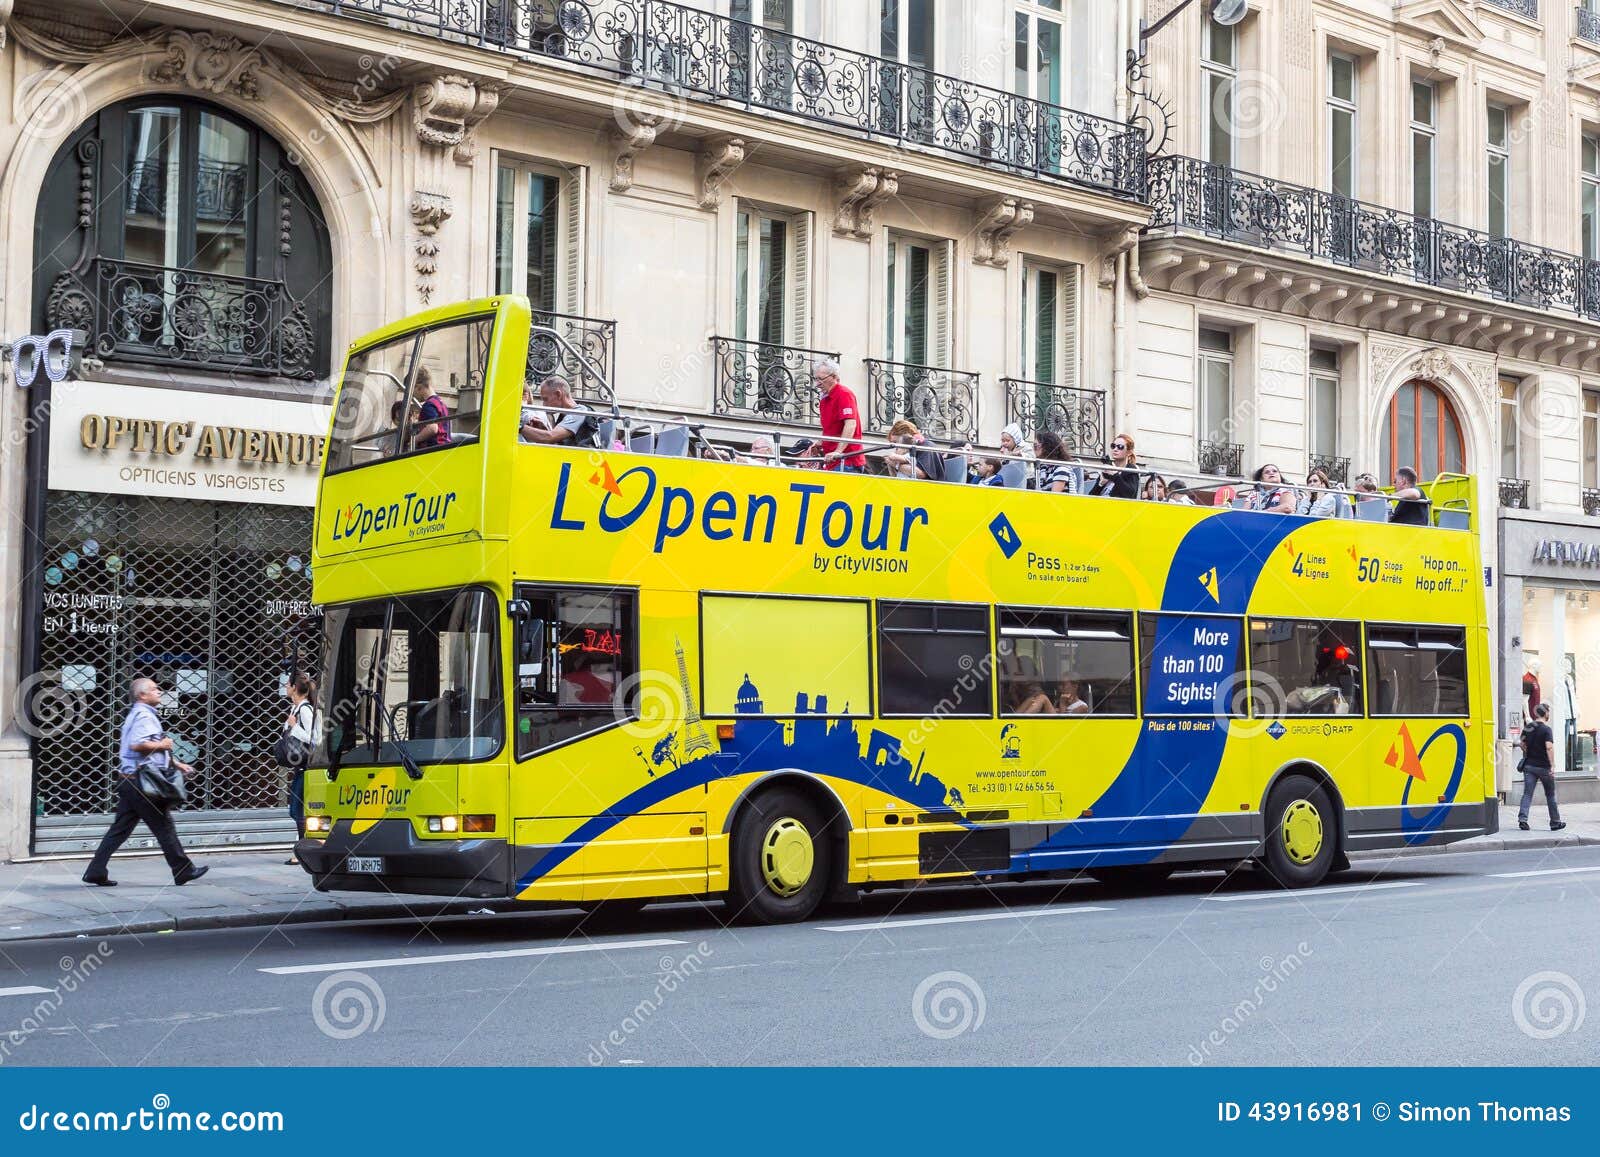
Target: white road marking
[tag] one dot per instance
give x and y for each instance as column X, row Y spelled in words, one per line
column 462, row 957
column 24, row 990
column 1313, row 893
column 1544, row 872
column 882, row 925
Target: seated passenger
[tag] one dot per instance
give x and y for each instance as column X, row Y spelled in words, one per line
column 1272, row 495
column 1155, row 489
column 1411, row 505
column 1123, row 480
column 1071, row 702
column 574, row 424
column 1030, row 699
column 986, row 472
column 430, row 424
column 1178, row 493
column 1053, row 472
column 1320, row 500
column 762, row 452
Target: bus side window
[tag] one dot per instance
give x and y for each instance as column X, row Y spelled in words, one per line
column 576, row 658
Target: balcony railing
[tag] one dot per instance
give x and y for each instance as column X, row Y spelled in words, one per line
column 756, row 379
column 1079, row 416
column 153, row 313
column 595, row 339
column 219, row 190
column 1338, row 469
column 1514, row 493
column 943, row 403
column 1591, row 501
column 1224, row 458
column 1588, row 24
column 1528, row 8
column 1236, row 206
column 689, row 52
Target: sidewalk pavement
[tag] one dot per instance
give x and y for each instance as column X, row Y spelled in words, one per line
column 45, row 898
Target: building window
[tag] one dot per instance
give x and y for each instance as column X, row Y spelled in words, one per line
column 1589, row 193
column 907, row 100
column 763, row 277
column 1510, row 430
column 1422, row 431
column 1324, row 439
column 1591, row 439
column 1424, row 134
column 538, row 236
column 1050, row 325
column 1219, row 67
column 204, row 245
column 1342, row 140
column 907, row 31
column 1038, row 54
column 1499, row 165
column 919, row 301
column 1216, row 377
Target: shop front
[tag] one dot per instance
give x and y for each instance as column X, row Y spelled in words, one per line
column 1550, row 627
column 172, row 541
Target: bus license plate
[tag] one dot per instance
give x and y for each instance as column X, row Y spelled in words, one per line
column 372, row 865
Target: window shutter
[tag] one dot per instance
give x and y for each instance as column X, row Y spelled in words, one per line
column 1067, row 339
column 800, row 283
column 943, row 326
column 572, row 206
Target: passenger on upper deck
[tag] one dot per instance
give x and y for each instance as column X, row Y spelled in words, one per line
column 1054, row 473
column 1272, row 494
column 1320, row 500
column 575, row 424
column 1178, row 492
column 1155, row 489
column 1411, row 505
column 840, row 416
column 1122, row 482
column 432, row 420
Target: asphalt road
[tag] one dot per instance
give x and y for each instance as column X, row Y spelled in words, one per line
column 1457, row 959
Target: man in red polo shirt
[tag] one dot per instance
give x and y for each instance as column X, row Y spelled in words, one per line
column 841, row 420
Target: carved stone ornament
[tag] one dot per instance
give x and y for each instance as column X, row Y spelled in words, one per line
column 446, row 109
column 6, row 7
column 1433, row 365
column 716, row 165
column 861, row 191
column 428, row 212
column 1383, row 356
column 209, row 63
column 628, row 142
column 1001, row 220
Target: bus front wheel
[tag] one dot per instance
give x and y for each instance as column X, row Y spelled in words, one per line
column 782, row 858
column 1302, row 833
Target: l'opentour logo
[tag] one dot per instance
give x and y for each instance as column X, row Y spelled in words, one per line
column 418, row 515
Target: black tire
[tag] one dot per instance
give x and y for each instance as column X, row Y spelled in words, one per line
column 774, row 833
column 1133, row 877
column 1292, row 858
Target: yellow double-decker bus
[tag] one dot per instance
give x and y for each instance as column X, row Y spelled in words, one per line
column 581, row 675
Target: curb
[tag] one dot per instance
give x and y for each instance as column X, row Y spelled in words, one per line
column 1482, row 844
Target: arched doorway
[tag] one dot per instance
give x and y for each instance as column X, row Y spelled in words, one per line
column 1421, row 429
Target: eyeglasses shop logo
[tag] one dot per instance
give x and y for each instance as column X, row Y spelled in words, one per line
column 51, row 352
column 419, row 515
column 804, row 512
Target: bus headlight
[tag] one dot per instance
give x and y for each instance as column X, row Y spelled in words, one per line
column 444, row 823
column 318, row 824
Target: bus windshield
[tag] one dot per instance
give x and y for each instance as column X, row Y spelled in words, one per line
column 420, row 672
column 411, row 394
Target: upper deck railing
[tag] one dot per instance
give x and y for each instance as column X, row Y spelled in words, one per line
column 688, row 52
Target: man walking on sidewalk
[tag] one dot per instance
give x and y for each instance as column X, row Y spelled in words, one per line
column 142, row 738
column 1538, row 763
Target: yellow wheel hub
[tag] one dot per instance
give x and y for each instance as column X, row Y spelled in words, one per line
column 1302, row 831
column 787, row 856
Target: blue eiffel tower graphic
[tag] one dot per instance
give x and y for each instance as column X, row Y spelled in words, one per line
column 695, row 741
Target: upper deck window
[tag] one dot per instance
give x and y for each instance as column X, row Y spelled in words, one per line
column 412, row 394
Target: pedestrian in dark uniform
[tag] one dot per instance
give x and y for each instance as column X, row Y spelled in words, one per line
column 143, row 738
column 1538, row 760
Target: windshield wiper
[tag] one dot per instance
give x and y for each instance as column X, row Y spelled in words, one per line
column 385, row 715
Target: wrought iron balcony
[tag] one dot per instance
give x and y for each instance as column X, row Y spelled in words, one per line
column 1528, row 8
column 943, row 403
column 756, row 379
column 1079, row 416
column 219, row 192
column 1588, row 24
column 1338, row 469
column 689, row 52
column 595, row 339
column 1514, row 493
column 1591, row 501
column 1236, row 206
column 1224, row 458
column 153, row 313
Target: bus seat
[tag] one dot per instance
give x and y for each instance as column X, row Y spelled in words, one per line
column 673, row 442
column 1014, row 475
column 643, row 441
column 955, row 468
column 1240, row 503
column 1223, row 496
column 608, row 433
column 1080, row 482
column 1454, row 520
column 1372, row 509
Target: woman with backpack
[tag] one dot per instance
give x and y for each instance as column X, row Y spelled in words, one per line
column 295, row 743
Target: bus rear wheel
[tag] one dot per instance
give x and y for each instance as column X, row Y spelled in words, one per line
column 782, row 858
column 1302, row 833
